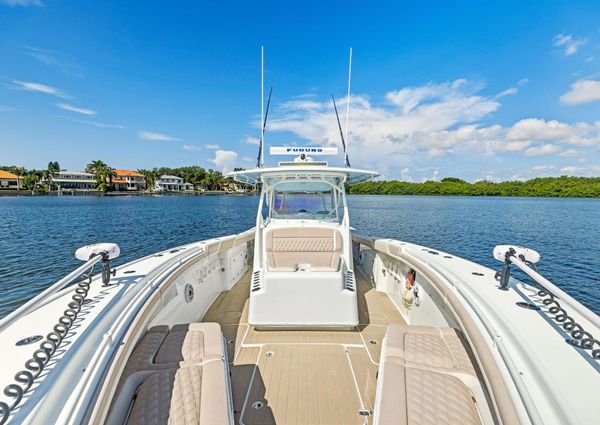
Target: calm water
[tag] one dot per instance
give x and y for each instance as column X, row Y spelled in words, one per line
column 38, row 236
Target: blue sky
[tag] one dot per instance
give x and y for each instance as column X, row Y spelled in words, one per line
column 503, row 90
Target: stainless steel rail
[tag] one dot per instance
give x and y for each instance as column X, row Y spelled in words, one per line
column 35, row 302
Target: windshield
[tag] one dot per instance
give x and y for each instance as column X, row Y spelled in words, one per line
column 310, row 200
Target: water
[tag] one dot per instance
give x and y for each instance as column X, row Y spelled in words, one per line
column 38, row 235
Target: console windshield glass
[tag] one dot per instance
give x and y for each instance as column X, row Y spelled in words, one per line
column 313, row 200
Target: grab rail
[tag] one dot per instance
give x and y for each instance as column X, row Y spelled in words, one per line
column 34, row 303
column 147, row 286
column 559, row 293
column 581, row 337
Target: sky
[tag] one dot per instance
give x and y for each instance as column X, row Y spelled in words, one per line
column 478, row 90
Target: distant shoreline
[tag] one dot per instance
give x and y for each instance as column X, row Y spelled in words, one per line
column 545, row 187
column 18, row 193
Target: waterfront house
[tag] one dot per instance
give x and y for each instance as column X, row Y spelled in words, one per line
column 128, row 180
column 74, row 180
column 167, row 183
column 8, row 180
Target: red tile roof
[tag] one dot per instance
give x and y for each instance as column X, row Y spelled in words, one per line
column 127, row 173
column 7, row 175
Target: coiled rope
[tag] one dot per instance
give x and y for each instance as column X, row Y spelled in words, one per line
column 584, row 339
column 581, row 337
column 40, row 358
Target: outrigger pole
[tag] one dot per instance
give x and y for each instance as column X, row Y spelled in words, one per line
column 263, row 115
column 260, row 159
column 346, row 160
column 348, row 105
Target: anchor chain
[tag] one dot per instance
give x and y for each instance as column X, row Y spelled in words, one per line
column 41, row 357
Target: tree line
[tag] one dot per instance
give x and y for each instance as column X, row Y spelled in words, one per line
column 200, row 178
column 564, row 186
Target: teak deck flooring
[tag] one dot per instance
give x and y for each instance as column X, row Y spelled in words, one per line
column 303, row 377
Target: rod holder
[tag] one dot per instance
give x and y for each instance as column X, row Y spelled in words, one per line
column 107, row 273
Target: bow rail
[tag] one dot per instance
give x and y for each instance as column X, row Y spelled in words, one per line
column 525, row 260
column 42, row 297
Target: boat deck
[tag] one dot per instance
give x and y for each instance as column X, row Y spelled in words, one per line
column 299, row 377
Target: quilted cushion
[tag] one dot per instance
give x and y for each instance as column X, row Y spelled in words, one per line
column 186, row 396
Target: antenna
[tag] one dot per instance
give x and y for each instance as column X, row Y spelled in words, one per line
column 348, row 104
column 346, row 161
column 261, row 146
column 262, row 106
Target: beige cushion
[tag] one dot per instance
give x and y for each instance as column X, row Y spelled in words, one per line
column 186, row 396
column 194, row 342
column 429, row 347
column 438, row 398
column 185, row 345
column 418, row 380
column 287, row 248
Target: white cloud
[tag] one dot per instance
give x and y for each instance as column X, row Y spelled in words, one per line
column 523, row 81
column 546, row 149
column 582, row 91
column 64, row 63
column 248, row 159
column 589, row 59
column 13, row 3
column 191, row 148
column 509, row 91
column 436, row 153
column 538, row 129
column 159, row 137
column 214, row 147
column 39, row 88
column 570, row 153
column 568, row 43
column 535, row 129
column 413, row 118
column 442, row 121
column 571, row 170
column 252, row 140
column 405, row 175
column 225, row 160
column 71, row 108
column 7, row 109
column 554, row 170
column 99, row 124
column 429, row 121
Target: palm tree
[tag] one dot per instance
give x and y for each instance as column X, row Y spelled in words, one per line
column 32, row 179
column 101, row 172
column 51, row 172
column 150, row 176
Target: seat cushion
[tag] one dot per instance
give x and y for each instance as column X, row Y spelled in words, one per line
column 143, row 354
column 427, row 346
column 194, row 342
column 422, row 378
column 184, row 396
column 438, row 398
column 316, row 247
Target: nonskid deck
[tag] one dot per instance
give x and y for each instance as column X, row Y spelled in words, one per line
column 299, row 377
